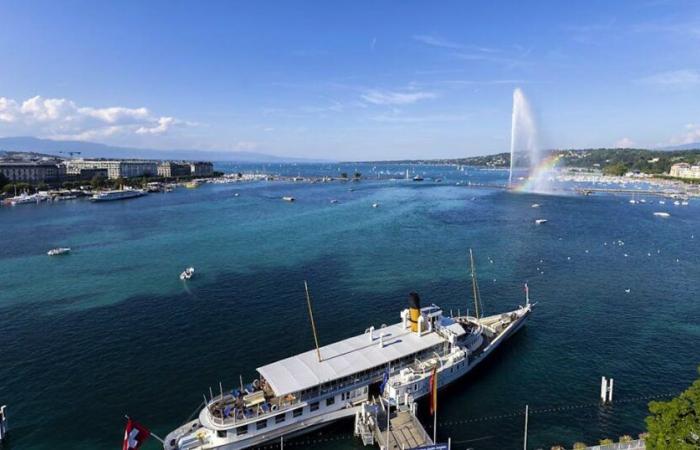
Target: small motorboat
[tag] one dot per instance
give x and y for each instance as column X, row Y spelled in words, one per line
column 187, row 274
column 535, row 205
column 288, row 199
column 418, row 178
column 662, row 214
column 375, row 205
column 540, row 221
column 58, row 251
column 334, row 201
column 236, row 194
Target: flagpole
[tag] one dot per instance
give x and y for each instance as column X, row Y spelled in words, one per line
column 149, row 431
column 433, row 399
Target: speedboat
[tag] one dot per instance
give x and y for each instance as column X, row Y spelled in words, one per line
column 662, row 214
column 58, row 251
column 418, row 178
column 375, row 205
column 540, row 221
column 187, row 274
column 288, row 199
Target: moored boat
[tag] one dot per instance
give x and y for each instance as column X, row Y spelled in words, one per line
column 309, row 390
column 106, row 196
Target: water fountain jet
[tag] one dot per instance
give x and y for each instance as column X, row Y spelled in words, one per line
column 526, row 155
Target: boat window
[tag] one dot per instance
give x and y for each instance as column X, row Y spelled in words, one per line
column 280, row 418
column 330, row 401
column 241, row 430
column 221, row 433
column 313, row 406
column 260, row 425
column 297, row 412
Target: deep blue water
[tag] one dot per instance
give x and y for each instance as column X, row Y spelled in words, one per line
column 109, row 329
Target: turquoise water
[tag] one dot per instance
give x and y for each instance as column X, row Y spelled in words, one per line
column 110, row 329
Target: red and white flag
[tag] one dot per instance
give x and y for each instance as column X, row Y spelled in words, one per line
column 134, row 435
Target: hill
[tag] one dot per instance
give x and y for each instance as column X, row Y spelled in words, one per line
column 96, row 150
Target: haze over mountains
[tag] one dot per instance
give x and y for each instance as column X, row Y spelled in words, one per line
column 95, row 150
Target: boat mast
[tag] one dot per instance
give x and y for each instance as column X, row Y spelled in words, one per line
column 475, row 284
column 313, row 324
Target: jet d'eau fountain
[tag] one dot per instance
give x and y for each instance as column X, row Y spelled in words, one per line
column 529, row 170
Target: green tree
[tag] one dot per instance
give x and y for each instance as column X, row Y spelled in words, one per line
column 3, row 180
column 675, row 424
column 617, row 169
column 97, row 182
column 68, row 185
column 344, row 175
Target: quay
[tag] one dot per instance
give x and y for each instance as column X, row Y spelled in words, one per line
column 588, row 191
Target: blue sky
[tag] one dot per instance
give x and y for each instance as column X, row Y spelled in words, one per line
column 350, row 79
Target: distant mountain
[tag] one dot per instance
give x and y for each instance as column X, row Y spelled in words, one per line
column 691, row 146
column 95, row 150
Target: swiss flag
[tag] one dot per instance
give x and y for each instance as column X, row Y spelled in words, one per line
column 134, row 435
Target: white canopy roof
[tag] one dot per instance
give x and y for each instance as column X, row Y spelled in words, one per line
column 349, row 356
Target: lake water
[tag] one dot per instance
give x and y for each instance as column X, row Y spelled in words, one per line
column 110, row 329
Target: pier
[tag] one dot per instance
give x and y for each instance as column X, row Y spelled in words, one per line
column 404, row 429
column 663, row 193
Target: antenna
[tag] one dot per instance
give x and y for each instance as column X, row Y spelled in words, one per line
column 313, row 324
column 475, row 284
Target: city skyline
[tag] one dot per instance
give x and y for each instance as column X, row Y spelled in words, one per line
column 347, row 81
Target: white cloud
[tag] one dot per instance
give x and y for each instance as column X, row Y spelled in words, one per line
column 673, row 79
column 396, row 118
column 625, row 142
column 396, row 98
column 436, row 41
column 61, row 118
column 690, row 136
column 164, row 124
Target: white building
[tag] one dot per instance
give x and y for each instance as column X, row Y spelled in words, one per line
column 685, row 170
column 124, row 168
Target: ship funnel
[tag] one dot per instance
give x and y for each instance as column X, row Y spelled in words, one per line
column 414, row 311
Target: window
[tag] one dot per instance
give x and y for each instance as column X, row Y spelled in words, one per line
column 280, row 418
column 221, row 433
column 330, row 401
column 260, row 425
column 313, row 406
column 297, row 412
column 241, row 430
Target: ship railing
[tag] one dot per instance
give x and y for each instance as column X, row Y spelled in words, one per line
column 223, row 411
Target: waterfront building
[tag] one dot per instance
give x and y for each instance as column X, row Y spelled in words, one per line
column 30, row 171
column 174, row 169
column 201, row 169
column 116, row 168
column 685, row 170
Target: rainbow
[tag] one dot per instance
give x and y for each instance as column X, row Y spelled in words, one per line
column 541, row 170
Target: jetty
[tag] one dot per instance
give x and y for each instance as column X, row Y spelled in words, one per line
column 398, row 429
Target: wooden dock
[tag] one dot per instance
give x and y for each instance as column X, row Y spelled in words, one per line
column 405, row 431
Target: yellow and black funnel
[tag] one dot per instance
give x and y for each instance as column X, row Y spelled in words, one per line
column 414, row 311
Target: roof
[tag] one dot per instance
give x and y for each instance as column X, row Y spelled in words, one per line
column 349, row 356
